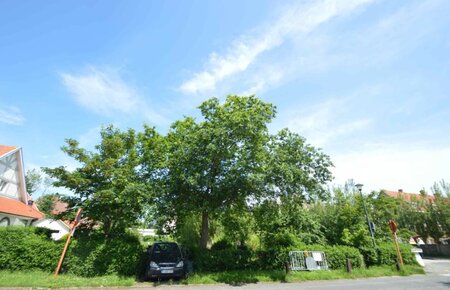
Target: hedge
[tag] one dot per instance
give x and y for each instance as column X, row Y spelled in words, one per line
column 28, row 248
column 223, row 259
column 388, row 254
column 337, row 256
column 89, row 254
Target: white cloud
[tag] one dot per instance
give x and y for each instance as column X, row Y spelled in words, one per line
column 325, row 122
column 393, row 166
column 11, row 115
column 103, row 92
column 106, row 93
column 261, row 81
column 300, row 19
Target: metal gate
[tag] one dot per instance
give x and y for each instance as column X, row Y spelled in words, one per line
column 307, row 260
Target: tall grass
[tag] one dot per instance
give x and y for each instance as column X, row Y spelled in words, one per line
column 47, row 280
column 245, row 277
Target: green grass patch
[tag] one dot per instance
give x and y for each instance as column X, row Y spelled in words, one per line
column 246, row 277
column 47, row 280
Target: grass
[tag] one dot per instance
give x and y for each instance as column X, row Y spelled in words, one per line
column 245, row 277
column 47, row 280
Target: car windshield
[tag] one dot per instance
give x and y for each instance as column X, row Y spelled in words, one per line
column 165, row 253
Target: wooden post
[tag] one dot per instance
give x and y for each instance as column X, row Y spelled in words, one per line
column 72, row 229
column 349, row 265
column 399, row 254
column 393, row 227
column 287, row 267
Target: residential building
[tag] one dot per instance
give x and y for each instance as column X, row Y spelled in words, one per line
column 16, row 206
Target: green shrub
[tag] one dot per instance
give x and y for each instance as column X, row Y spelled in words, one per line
column 388, row 254
column 28, row 248
column 337, row 255
column 224, row 260
column 93, row 255
column 277, row 250
column 89, row 254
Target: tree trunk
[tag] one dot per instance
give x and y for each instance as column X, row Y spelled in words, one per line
column 204, row 233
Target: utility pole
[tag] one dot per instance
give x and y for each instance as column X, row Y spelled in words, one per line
column 372, row 234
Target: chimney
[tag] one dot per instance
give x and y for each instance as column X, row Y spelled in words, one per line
column 400, row 190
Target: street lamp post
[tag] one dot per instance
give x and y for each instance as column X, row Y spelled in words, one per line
column 372, row 234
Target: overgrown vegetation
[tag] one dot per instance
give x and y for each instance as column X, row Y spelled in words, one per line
column 30, row 248
column 38, row 279
column 235, row 196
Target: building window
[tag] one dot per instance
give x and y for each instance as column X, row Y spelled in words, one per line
column 2, row 185
column 4, row 222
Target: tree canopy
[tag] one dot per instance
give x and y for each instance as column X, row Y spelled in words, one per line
column 224, row 162
column 108, row 184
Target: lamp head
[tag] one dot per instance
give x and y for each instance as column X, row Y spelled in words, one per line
column 359, row 186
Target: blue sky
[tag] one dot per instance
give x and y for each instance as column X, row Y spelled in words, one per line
column 366, row 80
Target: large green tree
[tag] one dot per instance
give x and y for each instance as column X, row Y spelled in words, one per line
column 107, row 184
column 294, row 168
column 229, row 159
column 218, row 162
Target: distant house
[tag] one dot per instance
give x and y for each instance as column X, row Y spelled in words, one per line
column 409, row 197
column 16, row 206
column 60, row 228
column 417, row 199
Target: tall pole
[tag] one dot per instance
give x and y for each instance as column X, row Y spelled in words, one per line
column 393, row 227
column 372, row 234
column 74, row 225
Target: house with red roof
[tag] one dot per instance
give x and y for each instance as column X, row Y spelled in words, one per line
column 16, row 206
column 409, row 197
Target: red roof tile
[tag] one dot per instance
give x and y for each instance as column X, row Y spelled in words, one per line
column 407, row 196
column 5, row 149
column 59, row 207
column 15, row 207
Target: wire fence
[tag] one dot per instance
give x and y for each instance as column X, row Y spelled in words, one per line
column 308, row 260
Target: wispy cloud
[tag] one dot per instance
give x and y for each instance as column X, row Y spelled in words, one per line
column 300, row 19
column 104, row 92
column 11, row 115
column 323, row 122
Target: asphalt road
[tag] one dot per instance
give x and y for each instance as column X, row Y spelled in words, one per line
column 437, row 277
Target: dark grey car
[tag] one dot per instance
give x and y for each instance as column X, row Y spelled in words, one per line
column 166, row 261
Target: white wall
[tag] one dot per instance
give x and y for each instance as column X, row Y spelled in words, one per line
column 53, row 225
column 14, row 220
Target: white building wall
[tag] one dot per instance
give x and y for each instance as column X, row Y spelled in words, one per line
column 53, row 225
column 13, row 220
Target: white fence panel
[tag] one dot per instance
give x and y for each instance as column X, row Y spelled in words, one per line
column 307, row 260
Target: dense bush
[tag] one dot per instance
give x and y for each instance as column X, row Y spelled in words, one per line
column 225, row 260
column 28, row 248
column 337, row 256
column 89, row 254
column 93, row 255
column 388, row 254
column 224, row 256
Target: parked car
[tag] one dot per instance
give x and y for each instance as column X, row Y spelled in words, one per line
column 166, row 261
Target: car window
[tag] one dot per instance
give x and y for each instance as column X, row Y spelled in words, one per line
column 166, row 252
